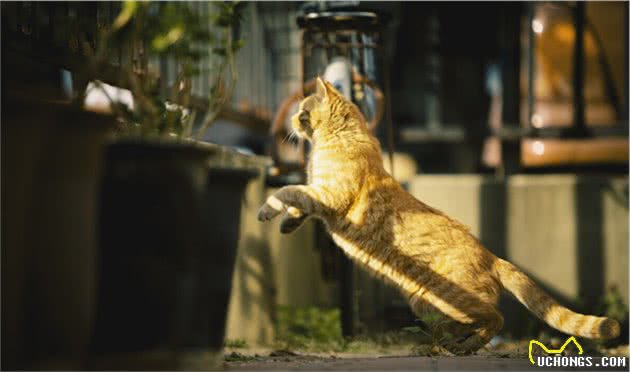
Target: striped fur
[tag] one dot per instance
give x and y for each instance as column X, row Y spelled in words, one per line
column 547, row 309
column 434, row 260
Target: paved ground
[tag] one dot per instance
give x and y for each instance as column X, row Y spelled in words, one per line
column 393, row 363
column 385, row 364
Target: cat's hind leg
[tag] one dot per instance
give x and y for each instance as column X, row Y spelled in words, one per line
column 464, row 331
column 462, row 338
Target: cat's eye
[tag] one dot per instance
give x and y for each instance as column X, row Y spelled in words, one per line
column 304, row 116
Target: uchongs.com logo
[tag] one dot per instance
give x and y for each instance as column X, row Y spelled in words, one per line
column 555, row 359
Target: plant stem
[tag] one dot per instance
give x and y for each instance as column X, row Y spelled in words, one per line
column 210, row 118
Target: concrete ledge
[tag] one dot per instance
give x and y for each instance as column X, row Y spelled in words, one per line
column 570, row 232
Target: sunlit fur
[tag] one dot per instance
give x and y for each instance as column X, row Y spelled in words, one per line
column 434, row 260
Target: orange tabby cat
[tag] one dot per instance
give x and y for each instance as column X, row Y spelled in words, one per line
column 431, row 258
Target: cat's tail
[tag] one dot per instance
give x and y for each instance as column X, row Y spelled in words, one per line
column 547, row 309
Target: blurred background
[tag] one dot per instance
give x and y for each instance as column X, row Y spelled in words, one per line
column 138, row 142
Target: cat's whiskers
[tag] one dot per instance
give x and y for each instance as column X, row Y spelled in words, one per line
column 294, row 137
column 286, row 137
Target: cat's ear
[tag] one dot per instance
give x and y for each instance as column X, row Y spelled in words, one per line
column 322, row 89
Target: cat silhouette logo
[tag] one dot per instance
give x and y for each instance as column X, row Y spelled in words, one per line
column 553, row 351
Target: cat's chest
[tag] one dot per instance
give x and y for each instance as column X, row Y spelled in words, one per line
column 320, row 166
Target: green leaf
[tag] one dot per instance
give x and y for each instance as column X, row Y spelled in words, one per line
column 413, row 329
column 432, row 317
column 163, row 41
column 128, row 10
column 219, row 51
column 238, row 44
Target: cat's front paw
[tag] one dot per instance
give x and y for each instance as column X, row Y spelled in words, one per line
column 272, row 207
column 266, row 213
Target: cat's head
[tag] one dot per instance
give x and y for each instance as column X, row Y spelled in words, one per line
column 325, row 112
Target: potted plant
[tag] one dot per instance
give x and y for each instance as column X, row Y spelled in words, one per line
column 156, row 302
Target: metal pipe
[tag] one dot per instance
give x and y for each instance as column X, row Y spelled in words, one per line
column 511, row 65
column 530, row 64
column 625, row 75
column 388, row 107
column 578, row 71
column 510, row 92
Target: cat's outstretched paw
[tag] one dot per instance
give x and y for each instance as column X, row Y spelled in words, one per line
column 266, row 213
column 272, row 207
